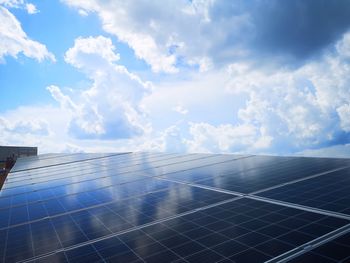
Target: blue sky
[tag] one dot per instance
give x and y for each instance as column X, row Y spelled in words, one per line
column 260, row 77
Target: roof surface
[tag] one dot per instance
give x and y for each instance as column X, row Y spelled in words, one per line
column 156, row 207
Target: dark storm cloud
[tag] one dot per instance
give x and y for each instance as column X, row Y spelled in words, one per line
column 300, row 28
column 284, row 29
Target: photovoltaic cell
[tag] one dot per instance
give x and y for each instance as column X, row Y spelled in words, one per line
column 70, row 223
column 91, row 172
column 329, row 192
column 123, row 160
column 22, row 213
column 62, row 159
column 251, row 174
column 156, row 207
column 239, row 231
column 83, row 170
column 70, row 176
column 333, row 251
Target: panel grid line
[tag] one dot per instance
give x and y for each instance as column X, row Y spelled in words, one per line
column 301, row 207
column 34, row 168
column 201, row 204
column 132, row 229
column 127, row 172
column 9, row 181
column 310, row 245
column 88, row 191
column 79, row 210
column 300, row 180
column 251, row 196
column 93, row 172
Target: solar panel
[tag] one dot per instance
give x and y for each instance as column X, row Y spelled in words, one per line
column 251, row 174
column 156, row 207
column 329, row 192
column 333, row 251
column 241, row 230
column 38, row 162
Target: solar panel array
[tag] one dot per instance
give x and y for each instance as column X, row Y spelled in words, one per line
column 156, row 207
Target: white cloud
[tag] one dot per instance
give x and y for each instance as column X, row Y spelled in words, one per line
column 286, row 110
column 12, row 3
column 83, row 12
column 344, row 115
column 226, row 138
column 109, row 109
column 36, row 127
column 180, row 109
column 335, row 151
column 116, row 20
column 343, row 46
column 282, row 111
column 201, row 96
column 31, row 9
column 13, row 40
column 173, row 141
column 170, row 139
column 91, row 52
column 170, row 32
column 65, row 101
column 243, row 107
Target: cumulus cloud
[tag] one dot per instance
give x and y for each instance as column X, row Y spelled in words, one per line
column 209, row 34
column 334, row 151
column 12, row 3
column 163, row 34
column 180, row 109
column 110, row 108
column 116, row 20
column 13, row 40
column 98, row 52
column 344, row 115
column 222, row 138
column 41, row 126
column 229, row 97
column 82, row 12
column 172, row 140
column 64, row 100
column 31, row 9
column 34, row 127
column 287, row 110
column 343, row 46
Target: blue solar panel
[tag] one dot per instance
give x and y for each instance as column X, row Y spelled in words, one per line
column 234, row 231
column 329, row 191
column 247, row 175
column 333, row 251
column 37, row 162
column 155, row 207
